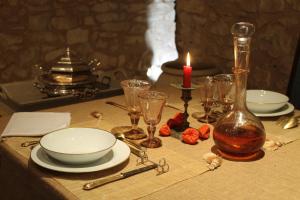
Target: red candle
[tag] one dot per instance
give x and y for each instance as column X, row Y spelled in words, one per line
column 187, row 72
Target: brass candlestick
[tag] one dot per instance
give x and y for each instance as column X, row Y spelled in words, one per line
column 186, row 96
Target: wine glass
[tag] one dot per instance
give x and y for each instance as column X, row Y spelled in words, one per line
column 131, row 90
column 226, row 90
column 152, row 103
column 207, row 87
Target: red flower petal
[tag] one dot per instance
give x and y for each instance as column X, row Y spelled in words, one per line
column 190, row 136
column 165, row 130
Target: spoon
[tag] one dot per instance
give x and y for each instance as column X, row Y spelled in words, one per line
column 29, row 143
column 96, row 114
column 118, row 135
column 121, row 137
column 291, row 123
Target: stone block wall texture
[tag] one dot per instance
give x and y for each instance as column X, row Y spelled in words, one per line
column 38, row 31
column 204, row 28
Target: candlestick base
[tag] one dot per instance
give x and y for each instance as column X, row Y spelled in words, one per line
column 186, row 96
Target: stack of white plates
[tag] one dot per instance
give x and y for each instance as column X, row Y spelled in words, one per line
column 79, row 150
column 264, row 103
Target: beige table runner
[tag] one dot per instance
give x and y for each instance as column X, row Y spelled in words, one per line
column 185, row 160
column 182, row 166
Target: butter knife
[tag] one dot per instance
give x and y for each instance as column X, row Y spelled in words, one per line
column 125, row 108
column 123, row 175
column 117, row 105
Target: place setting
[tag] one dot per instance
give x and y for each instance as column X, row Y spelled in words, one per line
column 57, row 147
column 85, row 150
column 63, row 150
column 272, row 106
column 82, row 150
column 265, row 103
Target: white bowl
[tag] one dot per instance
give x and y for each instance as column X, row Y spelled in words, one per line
column 263, row 101
column 77, row 145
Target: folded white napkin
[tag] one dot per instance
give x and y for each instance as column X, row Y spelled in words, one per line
column 35, row 123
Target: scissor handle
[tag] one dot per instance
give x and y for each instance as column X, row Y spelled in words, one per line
column 143, row 157
column 163, row 166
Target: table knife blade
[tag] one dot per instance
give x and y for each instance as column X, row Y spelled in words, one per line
column 123, row 175
column 117, row 105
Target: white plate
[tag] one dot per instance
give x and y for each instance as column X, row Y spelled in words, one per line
column 119, row 153
column 286, row 109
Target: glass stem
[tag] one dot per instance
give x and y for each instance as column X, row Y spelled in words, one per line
column 151, row 130
column 207, row 109
column 134, row 118
column 227, row 107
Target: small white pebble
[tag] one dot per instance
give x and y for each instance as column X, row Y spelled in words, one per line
column 208, row 157
column 279, row 144
column 269, row 143
column 213, row 160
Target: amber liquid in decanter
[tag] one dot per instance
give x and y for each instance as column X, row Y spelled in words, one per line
column 247, row 138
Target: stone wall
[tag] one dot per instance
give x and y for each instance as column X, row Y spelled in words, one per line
column 37, row 31
column 204, row 28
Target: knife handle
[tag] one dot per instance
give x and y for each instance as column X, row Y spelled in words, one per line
column 109, row 179
column 101, row 181
column 134, row 144
column 139, row 170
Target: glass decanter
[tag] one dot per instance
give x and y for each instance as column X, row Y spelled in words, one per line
column 239, row 135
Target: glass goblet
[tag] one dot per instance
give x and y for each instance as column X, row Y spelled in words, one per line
column 226, row 90
column 207, row 87
column 152, row 103
column 131, row 90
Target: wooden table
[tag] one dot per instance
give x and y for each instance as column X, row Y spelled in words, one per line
column 275, row 176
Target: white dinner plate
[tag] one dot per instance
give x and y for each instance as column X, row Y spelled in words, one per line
column 119, row 153
column 286, row 109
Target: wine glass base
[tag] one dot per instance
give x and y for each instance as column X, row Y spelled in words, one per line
column 202, row 118
column 154, row 143
column 129, row 133
column 239, row 157
column 207, row 120
column 214, row 116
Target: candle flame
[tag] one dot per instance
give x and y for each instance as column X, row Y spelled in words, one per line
column 188, row 59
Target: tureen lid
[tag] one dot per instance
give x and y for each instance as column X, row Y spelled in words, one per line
column 70, row 62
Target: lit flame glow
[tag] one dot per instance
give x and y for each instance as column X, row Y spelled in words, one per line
column 188, row 59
